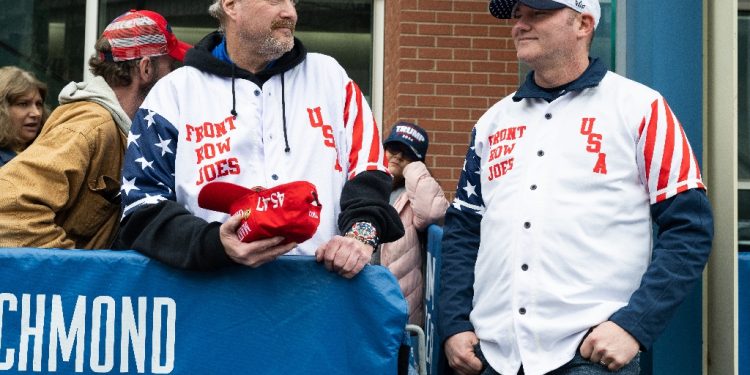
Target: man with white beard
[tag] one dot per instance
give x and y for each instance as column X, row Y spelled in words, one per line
column 251, row 107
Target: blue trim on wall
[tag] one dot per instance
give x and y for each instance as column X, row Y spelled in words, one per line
column 743, row 270
column 665, row 52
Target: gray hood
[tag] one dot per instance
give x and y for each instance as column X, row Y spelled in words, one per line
column 98, row 91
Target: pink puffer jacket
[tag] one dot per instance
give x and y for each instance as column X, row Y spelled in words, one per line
column 423, row 203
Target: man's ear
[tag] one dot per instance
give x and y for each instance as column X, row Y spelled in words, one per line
column 145, row 69
column 587, row 24
column 228, row 6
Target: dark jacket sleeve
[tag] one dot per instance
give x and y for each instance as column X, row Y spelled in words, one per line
column 365, row 198
column 683, row 243
column 168, row 232
column 459, row 255
column 460, row 248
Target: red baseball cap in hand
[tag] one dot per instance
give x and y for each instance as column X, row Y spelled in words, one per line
column 290, row 210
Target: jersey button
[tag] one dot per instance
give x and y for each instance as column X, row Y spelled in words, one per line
column 257, row 92
column 522, row 311
column 540, row 153
column 524, row 267
column 274, row 177
column 548, row 116
column 527, row 225
column 533, row 187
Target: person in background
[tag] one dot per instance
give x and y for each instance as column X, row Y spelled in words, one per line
column 420, row 201
column 63, row 191
column 22, row 110
column 551, row 264
column 252, row 107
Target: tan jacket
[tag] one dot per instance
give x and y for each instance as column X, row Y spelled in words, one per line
column 62, row 191
column 423, row 203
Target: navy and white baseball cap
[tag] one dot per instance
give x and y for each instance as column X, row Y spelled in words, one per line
column 412, row 136
column 503, row 9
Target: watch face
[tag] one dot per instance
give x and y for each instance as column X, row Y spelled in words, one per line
column 364, row 232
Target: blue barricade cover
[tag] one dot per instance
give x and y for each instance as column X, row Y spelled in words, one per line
column 65, row 311
column 432, row 291
column 743, row 271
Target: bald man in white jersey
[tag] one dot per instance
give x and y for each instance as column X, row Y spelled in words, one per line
column 553, row 214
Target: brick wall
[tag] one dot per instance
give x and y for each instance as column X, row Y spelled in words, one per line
column 446, row 63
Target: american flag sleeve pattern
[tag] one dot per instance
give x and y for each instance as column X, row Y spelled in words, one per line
column 469, row 191
column 666, row 161
column 149, row 167
column 365, row 147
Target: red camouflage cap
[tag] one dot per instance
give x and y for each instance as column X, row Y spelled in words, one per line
column 290, row 210
column 142, row 33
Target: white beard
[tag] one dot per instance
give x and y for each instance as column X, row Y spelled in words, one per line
column 273, row 48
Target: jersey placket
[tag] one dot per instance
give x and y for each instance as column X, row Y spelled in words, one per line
column 532, row 166
column 271, row 132
column 529, row 161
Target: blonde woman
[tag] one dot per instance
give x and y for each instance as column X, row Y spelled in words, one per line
column 22, row 110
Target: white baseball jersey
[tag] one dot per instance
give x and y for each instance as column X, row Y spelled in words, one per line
column 566, row 188
column 330, row 131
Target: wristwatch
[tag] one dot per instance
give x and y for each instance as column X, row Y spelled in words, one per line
column 364, row 232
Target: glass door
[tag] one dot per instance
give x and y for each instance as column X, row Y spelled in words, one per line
column 743, row 130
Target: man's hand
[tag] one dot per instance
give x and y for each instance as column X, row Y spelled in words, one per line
column 610, row 346
column 344, row 255
column 253, row 254
column 459, row 349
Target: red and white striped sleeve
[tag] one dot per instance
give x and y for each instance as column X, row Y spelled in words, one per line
column 667, row 163
column 365, row 146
